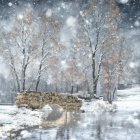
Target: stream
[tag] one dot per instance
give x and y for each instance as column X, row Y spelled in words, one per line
column 93, row 124
column 121, row 125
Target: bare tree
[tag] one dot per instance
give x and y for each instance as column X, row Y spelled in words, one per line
column 114, row 65
column 48, row 43
column 20, row 45
column 98, row 25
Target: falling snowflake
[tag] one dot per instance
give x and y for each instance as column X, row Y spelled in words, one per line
column 71, row 21
column 79, row 64
column 63, row 62
column 123, row 1
column 10, row 4
column 137, row 23
column 133, row 64
column 63, row 5
column 49, row 13
column 20, row 16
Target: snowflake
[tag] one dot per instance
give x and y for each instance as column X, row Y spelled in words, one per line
column 10, row 4
column 137, row 23
column 123, row 1
column 71, row 21
column 49, row 13
column 63, row 5
column 63, row 62
column 20, row 16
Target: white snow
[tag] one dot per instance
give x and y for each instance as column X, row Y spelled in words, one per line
column 98, row 106
column 126, row 114
column 137, row 23
column 63, row 62
column 13, row 118
column 20, row 16
column 81, row 13
column 49, row 13
column 25, row 134
column 71, row 21
column 133, row 121
column 10, row 4
column 123, row 1
column 64, row 65
column 5, row 119
column 132, row 64
column 79, row 65
column 63, row 5
column 130, row 101
column 8, row 110
column 46, row 108
column 26, row 117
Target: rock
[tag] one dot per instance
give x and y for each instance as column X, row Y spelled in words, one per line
column 54, row 114
column 83, row 111
column 46, row 109
column 65, row 117
column 23, row 105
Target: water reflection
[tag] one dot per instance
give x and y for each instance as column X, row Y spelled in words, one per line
column 89, row 126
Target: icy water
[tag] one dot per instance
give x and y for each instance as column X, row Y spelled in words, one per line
column 121, row 125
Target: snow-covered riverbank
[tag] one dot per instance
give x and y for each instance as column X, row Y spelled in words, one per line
column 121, row 115
column 129, row 100
column 14, row 119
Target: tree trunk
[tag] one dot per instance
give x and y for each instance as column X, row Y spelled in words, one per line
column 17, row 81
column 72, row 87
column 93, row 75
column 77, row 88
column 14, row 69
column 39, row 76
column 95, row 89
column 24, row 77
column 23, row 82
column 37, row 83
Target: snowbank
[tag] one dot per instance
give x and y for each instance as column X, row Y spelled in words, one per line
column 6, row 109
column 46, row 108
column 25, row 134
column 5, row 119
column 129, row 100
column 98, row 106
column 13, row 119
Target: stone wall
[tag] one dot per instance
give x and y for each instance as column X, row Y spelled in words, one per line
column 36, row 100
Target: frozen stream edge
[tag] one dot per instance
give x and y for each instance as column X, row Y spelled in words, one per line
column 14, row 119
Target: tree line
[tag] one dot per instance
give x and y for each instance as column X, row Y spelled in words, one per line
column 41, row 47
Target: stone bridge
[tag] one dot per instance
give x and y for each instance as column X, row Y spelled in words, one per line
column 36, row 100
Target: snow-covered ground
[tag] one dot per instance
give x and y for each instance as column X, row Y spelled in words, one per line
column 15, row 119
column 129, row 100
column 98, row 106
column 101, row 121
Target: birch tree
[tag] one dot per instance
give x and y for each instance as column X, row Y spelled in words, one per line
column 115, row 61
column 20, row 45
column 49, row 28
column 98, row 22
